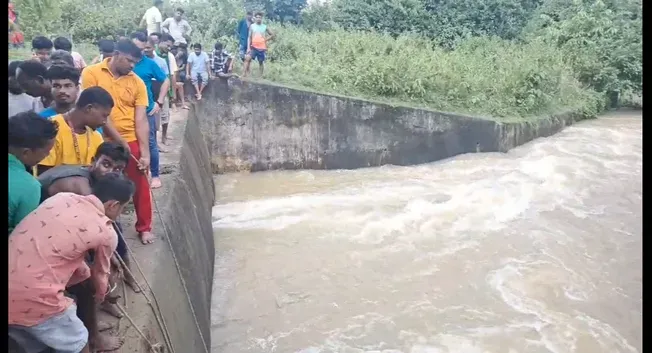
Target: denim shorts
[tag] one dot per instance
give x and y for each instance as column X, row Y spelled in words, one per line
column 63, row 333
column 258, row 55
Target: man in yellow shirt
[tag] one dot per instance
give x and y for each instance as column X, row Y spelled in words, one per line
column 77, row 141
column 129, row 119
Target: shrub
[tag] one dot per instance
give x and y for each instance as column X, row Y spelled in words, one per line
column 483, row 75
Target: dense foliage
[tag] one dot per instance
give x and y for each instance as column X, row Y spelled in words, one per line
column 491, row 57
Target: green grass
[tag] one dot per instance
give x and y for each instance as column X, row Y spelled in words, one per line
column 487, row 78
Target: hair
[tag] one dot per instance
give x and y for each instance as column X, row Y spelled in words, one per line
column 62, row 43
column 180, row 10
column 218, row 46
column 113, row 150
column 106, row 46
column 259, row 13
column 166, row 37
column 125, row 46
column 158, row 2
column 182, row 45
column 113, row 186
column 95, row 95
column 41, row 42
column 13, row 66
column 62, row 55
column 140, row 36
column 57, row 72
column 249, row 13
column 33, row 68
column 30, row 130
column 157, row 34
column 197, row 46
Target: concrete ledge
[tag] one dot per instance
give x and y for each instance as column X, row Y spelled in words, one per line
column 260, row 126
column 184, row 204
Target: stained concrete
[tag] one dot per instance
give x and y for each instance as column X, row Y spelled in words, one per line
column 256, row 127
column 182, row 214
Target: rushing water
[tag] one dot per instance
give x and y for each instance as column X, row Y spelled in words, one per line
column 536, row 250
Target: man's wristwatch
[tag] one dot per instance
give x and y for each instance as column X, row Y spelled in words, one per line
column 159, row 104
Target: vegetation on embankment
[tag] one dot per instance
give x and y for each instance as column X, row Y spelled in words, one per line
column 498, row 58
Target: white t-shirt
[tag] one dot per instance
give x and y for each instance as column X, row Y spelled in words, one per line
column 152, row 17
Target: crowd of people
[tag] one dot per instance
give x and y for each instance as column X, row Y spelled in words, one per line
column 83, row 142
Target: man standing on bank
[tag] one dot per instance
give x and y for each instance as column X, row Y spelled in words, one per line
column 129, row 118
column 152, row 18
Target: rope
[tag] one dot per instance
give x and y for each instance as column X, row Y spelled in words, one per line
column 176, row 263
column 160, row 320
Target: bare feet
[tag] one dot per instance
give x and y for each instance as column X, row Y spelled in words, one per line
column 104, row 326
column 156, row 183
column 146, row 237
column 106, row 343
column 110, row 309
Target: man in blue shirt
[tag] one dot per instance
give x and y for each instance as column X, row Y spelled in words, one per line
column 242, row 32
column 148, row 70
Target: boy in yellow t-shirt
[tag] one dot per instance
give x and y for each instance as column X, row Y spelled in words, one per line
column 77, row 141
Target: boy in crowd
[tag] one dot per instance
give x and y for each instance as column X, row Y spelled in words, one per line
column 169, row 62
column 106, row 48
column 64, row 81
column 30, row 140
column 221, row 62
column 197, row 69
column 77, row 141
column 149, row 71
column 41, row 49
column 128, row 124
column 62, row 43
column 180, row 51
column 42, row 266
column 242, row 32
column 61, row 58
column 18, row 101
column 259, row 35
column 31, row 78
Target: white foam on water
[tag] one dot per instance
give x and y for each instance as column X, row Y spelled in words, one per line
column 536, row 250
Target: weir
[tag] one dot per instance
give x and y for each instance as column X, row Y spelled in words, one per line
column 246, row 126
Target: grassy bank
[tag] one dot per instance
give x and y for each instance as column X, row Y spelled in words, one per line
column 482, row 76
column 516, row 59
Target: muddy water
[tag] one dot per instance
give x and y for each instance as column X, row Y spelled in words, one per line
column 537, row 250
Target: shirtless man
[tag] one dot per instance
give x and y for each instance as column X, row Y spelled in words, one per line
column 109, row 158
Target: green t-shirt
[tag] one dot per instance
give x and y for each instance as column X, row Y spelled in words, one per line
column 24, row 192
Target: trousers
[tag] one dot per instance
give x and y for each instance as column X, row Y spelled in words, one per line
column 143, row 195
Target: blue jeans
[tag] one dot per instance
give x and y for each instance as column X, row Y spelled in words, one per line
column 153, row 147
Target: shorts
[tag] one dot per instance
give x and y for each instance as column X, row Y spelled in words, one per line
column 163, row 116
column 258, row 55
column 181, row 77
column 63, row 333
column 197, row 76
